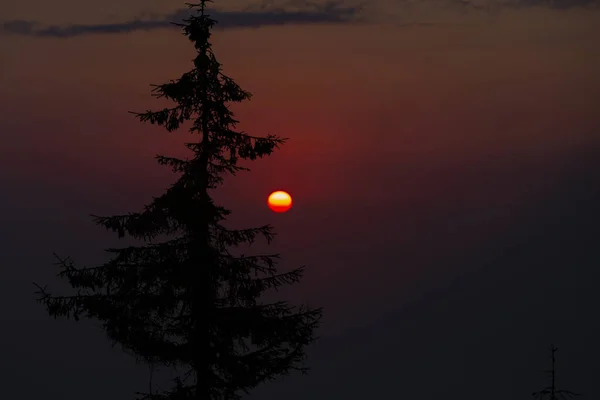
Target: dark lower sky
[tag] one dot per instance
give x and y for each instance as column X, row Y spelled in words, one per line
column 444, row 159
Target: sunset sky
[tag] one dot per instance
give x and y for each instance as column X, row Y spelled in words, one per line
column 443, row 156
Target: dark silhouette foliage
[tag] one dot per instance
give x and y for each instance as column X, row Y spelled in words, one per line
column 187, row 301
column 551, row 392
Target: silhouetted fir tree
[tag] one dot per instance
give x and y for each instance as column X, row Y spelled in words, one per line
column 189, row 301
column 550, row 392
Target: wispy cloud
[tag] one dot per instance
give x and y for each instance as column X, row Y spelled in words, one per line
column 507, row 4
column 557, row 4
column 330, row 12
column 299, row 12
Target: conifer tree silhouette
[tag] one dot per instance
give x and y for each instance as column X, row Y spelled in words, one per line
column 550, row 392
column 187, row 300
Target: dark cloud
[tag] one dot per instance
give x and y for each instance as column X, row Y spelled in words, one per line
column 330, row 12
column 558, row 4
column 489, row 5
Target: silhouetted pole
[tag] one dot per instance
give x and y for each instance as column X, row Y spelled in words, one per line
column 551, row 390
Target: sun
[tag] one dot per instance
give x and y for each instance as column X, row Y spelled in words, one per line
column 280, row 201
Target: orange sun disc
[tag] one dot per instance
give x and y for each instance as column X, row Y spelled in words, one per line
column 280, row 201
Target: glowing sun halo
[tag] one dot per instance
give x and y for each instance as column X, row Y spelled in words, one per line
column 280, row 201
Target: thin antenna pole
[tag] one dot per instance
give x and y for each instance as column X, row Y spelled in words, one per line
column 553, row 350
column 551, row 390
